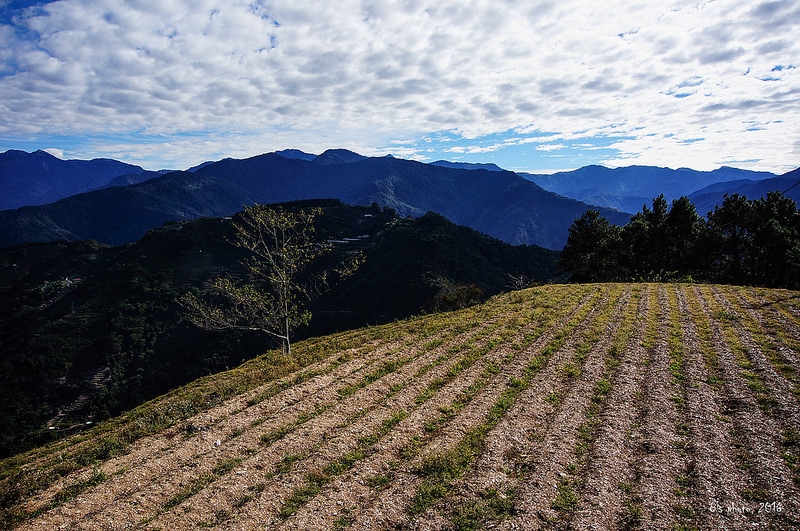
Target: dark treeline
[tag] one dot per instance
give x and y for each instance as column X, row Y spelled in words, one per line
column 743, row 241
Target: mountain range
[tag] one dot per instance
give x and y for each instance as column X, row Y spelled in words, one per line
column 500, row 204
column 628, row 189
column 707, row 198
column 39, row 178
column 115, row 203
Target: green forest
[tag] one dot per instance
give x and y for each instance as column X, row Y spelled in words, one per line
column 742, row 241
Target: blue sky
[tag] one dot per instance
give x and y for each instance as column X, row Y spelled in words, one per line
column 538, row 85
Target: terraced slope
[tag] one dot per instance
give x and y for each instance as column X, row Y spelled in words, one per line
column 614, row 406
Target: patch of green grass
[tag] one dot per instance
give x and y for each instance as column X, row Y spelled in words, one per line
column 684, row 512
column 602, row 389
column 286, row 464
column 411, row 449
column 277, row 434
column 756, row 495
column 78, row 487
column 302, row 495
column 571, row 370
column 553, row 397
column 242, row 501
column 379, row 482
column 343, row 522
column 729, row 316
column 490, row 506
column 630, row 517
column 566, row 499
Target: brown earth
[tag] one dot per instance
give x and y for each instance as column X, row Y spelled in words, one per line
column 614, row 406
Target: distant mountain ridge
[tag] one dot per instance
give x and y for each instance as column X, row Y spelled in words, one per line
column 629, row 188
column 468, row 165
column 707, row 198
column 39, row 178
column 500, row 204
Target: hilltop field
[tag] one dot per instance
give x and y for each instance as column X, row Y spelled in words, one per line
column 587, row 406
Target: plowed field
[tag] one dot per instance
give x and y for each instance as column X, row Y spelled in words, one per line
column 613, row 406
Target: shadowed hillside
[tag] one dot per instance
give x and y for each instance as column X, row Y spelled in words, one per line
column 89, row 331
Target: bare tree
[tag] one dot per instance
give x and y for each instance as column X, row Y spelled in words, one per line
column 282, row 247
column 518, row 281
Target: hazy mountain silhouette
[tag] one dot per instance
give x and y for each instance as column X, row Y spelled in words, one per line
column 628, row 189
column 39, row 178
column 707, row 198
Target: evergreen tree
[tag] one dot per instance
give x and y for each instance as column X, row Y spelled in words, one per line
column 682, row 228
column 730, row 237
column 644, row 238
column 776, row 241
column 740, row 242
column 592, row 244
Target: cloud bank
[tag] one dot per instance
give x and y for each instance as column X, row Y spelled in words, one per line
column 173, row 82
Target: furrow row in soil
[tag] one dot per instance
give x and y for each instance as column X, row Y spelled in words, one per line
column 326, row 420
column 713, row 478
column 321, row 443
column 761, row 357
column 454, row 451
column 650, row 494
column 183, row 454
column 778, row 339
column 546, row 424
column 455, row 412
column 755, row 436
column 425, row 416
column 770, row 308
column 603, row 501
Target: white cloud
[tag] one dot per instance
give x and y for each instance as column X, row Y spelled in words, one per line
column 359, row 74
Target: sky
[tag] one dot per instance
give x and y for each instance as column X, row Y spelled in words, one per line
column 531, row 85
